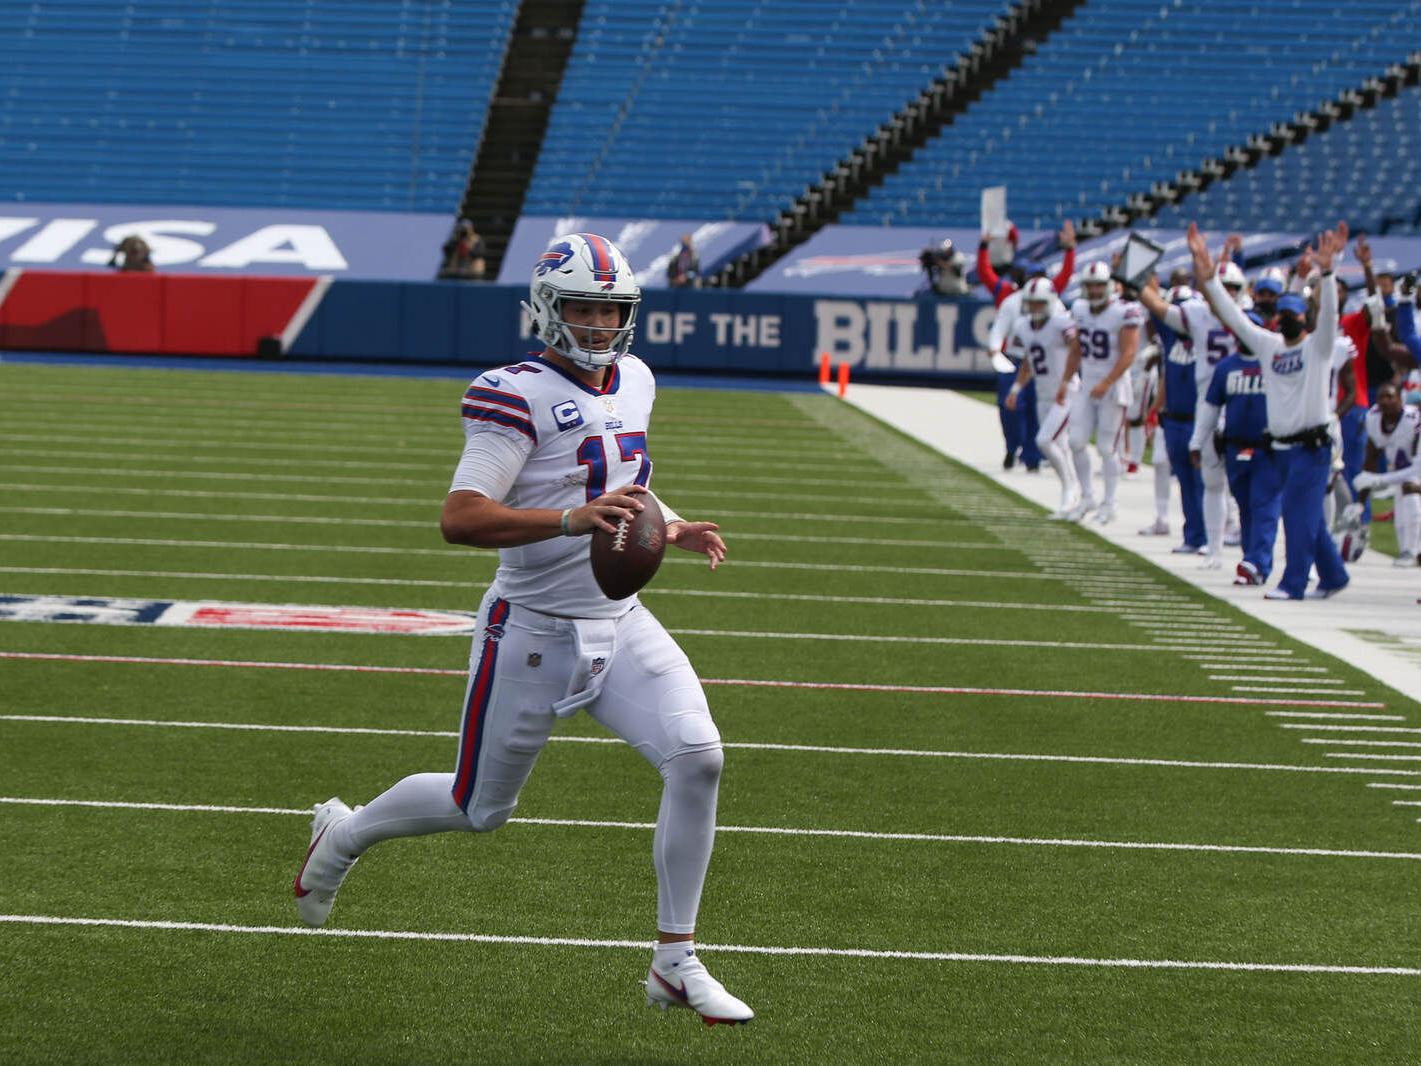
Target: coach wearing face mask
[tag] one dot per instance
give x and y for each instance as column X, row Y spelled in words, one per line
column 1297, row 370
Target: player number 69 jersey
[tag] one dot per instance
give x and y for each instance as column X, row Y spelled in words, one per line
column 1099, row 336
column 1045, row 348
column 561, row 443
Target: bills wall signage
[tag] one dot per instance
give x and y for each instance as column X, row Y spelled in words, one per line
column 350, row 244
column 214, row 614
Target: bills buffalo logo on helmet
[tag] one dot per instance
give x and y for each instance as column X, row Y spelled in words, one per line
column 553, row 258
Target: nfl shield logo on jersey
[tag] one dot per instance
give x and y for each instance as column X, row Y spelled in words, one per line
column 598, row 665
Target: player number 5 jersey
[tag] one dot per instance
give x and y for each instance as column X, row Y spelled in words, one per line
column 575, row 443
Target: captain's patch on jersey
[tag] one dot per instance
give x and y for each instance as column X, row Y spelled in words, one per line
column 568, row 415
column 215, row 614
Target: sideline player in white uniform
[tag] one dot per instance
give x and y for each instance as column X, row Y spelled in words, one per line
column 1211, row 342
column 1107, row 337
column 545, row 439
column 1394, row 433
column 1043, row 339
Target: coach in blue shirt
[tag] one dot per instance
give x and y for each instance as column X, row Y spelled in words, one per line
column 1236, row 390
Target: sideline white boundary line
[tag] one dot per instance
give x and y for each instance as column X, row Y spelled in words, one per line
column 752, row 949
column 820, row 749
column 853, row 834
column 839, row 686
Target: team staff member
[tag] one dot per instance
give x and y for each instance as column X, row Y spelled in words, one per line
column 1175, row 404
column 1297, row 372
column 1236, row 392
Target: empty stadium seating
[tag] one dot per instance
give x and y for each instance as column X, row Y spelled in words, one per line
column 1364, row 170
column 1130, row 92
column 730, row 109
column 301, row 103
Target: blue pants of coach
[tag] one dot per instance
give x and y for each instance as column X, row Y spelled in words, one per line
column 1303, row 472
column 1019, row 427
column 1191, row 482
column 1354, row 447
column 1256, row 483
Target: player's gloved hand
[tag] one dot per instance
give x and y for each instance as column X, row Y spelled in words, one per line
column 1365, row 480
column 1352, row 514
column 606, row 511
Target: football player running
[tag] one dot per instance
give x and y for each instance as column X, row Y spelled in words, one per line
column 1043, row 340
column 544, row 440
column 1107, row 337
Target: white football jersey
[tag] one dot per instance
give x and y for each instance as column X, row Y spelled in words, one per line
column 1343, row 352
column 1400, row 445
column 577, row 443
column 1208, row 338
column 1046, row 348
column 1099, row 336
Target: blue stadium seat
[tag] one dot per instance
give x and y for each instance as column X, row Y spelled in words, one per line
column 299, row 103
column 1130, row 92
column 731, row 109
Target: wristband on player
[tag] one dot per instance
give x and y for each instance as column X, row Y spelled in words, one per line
column 1015, row 389
column 563, row 522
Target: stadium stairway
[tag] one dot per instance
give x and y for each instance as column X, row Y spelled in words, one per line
column 892, row 143
column 527, row 89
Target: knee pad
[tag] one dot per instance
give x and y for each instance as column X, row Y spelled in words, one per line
column 485, row 820
column 698, row 768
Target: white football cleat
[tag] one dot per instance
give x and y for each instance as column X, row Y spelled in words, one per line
column 1080, row 510
column 1320, row 593
column 1279, row 594
column 1160, row 528
column 1106, row 514
column 688, row 984
column 320, row 875
column 1210, row 561
column 1402, row 559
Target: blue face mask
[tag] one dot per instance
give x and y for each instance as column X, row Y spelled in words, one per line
column 1412, row 396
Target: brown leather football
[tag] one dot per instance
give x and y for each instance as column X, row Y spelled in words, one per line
column 623, row 563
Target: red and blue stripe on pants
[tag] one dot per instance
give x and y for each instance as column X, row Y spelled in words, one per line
column 471, row 734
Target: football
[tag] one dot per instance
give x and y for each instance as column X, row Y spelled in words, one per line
column 624, row 562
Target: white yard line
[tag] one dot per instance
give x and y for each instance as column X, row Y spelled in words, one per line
column 824, row 686
column 491, row 559
column 1323, row 714
column 789, row 831
column 753, row 949
column 1412, row 744
column 1297, row 690
column 820, row 749
column 1317, row 728
column 1388, row 784
column 1278, row 679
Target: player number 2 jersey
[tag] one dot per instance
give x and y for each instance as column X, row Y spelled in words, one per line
column 1045, row 348
column 577, row 443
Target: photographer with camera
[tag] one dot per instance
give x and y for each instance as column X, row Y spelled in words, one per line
column 464, row 253
column 944, row 270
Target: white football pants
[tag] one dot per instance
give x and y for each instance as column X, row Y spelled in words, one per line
column 1164, row 479
column 1053, row 418
column 522, row 663
column 1216, row 496
column 1408, row 523
column 1105, row 418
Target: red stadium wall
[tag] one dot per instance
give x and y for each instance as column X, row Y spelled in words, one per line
column 173, row 314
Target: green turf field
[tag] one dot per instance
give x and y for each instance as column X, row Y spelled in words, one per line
column 1061, row 807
